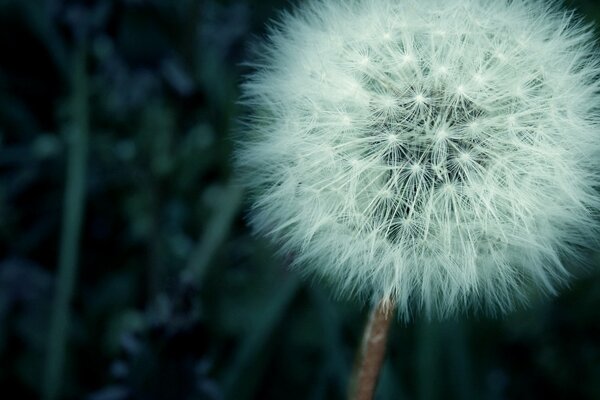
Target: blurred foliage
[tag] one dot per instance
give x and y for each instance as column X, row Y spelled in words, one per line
column 174, row 298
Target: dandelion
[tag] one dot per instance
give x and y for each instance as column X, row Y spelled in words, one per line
column 439, row 155
column 436, row 153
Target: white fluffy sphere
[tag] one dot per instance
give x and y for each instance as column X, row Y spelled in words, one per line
column 439, row 153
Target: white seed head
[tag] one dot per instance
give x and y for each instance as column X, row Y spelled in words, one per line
column 439, row 153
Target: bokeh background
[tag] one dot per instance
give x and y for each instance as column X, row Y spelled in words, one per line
column 123, row 239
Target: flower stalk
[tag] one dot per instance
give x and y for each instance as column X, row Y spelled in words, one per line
column 372, row 352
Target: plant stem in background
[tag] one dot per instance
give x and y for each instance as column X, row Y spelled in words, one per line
column 71, row 226
column 372, row 352
column 214, row 235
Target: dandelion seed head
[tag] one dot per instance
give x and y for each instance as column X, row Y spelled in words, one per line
column 442, row 154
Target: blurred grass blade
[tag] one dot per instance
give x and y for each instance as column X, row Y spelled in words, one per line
column 214, row 235
column 460, row 360
column 428, row 360
column 71, row 226
column 337, row 365
column 253, row 344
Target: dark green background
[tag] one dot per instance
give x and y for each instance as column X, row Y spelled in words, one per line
column 173, row 297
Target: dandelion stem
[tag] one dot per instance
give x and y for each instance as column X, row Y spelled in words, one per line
column 371, row 352
column 71, row 226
